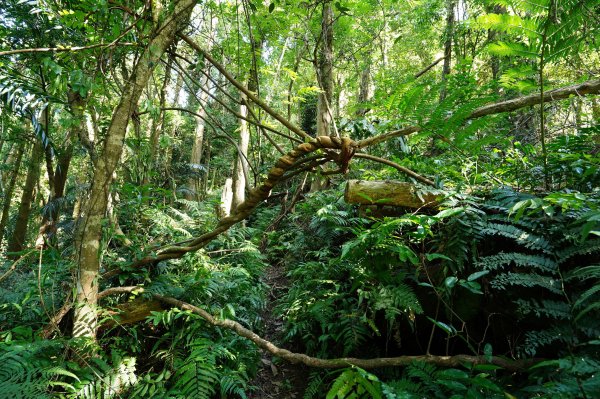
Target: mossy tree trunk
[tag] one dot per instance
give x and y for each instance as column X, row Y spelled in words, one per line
column 88, row 243
column 325, row 72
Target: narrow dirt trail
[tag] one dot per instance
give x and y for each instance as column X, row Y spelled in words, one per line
column 276, row 378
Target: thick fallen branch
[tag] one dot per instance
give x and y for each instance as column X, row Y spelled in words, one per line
column 444, row 361
column 388, row 193
column 589, row 87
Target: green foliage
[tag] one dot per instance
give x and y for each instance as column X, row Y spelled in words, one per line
column 418, row 380
column 38, row 369
column 25, row 372
column 355, row 383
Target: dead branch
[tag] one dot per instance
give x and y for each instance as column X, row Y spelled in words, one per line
column 399, row 361
column 284, row 121
column 444, row 361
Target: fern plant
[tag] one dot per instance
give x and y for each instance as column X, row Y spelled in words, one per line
column 549, row 265
column 418, row 380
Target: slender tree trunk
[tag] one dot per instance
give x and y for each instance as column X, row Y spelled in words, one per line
column 8, row 193
column 158, row 124
column 448, row 35
column 241, row 166
column 325, row 72
column 195, row 183
column 196, row 156
column 58, row 177
column 6, row 174
column 175, row 125
column 325, row 78
column 226, row 199
column 17, row 241
column 88, row 250
column 364, row 90
column 207, row 157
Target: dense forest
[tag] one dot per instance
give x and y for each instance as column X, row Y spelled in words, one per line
column 293, row 199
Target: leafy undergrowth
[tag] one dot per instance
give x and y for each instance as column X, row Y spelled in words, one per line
column 446, row 283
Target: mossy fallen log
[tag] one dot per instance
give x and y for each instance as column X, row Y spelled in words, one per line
column 388, row 193
column 133, row 312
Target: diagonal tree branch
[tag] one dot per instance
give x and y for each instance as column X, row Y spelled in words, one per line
column 281, row 119
column 400, row 168
column 589, row 87
column 256, row 196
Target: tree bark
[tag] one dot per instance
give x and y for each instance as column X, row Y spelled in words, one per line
column 175, row 125
column 17, row 241
column 8, row 192
column 325, row 72
column 388, row 192
column 58, row 176
column 448, row 35
column 197, row 148
column 241, row 166
column 364, row 90
column 88, row 250
column 226, row 199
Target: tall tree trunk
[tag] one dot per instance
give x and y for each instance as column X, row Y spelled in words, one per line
column 364, row 90
column 196, row 156
column 10, row 187
column 88, row 249
column 226, row 199
column 17, row 240
column 195, row 183
column 173, row 132
column 325, row 72
column 448, row 35
column 157, row 125
column 58, row 177
column 240, row 170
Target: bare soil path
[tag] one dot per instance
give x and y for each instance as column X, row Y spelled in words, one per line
column 276, row 378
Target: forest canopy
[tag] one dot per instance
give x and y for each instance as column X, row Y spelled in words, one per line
column 284, row 199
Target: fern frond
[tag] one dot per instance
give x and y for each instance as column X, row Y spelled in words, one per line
column 528, row 280
column 503, row 259
column 538, row 339
column 21, row 374
column 355, row 383
column 544, row 308
column 315, row 385
column 520, row 236
column 588, row 248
